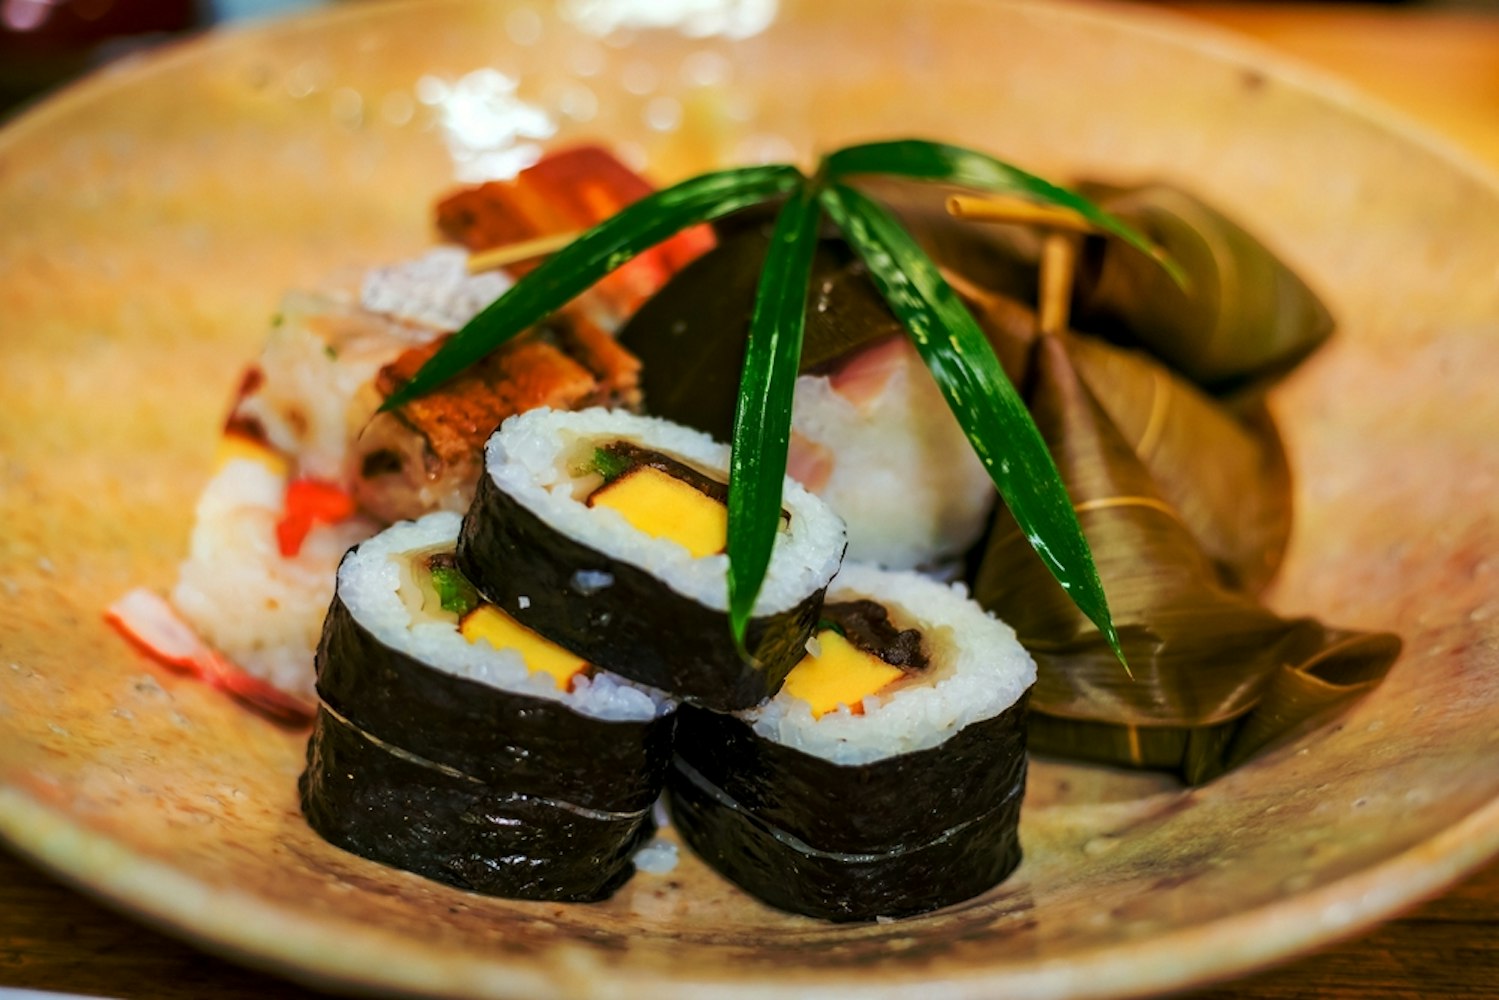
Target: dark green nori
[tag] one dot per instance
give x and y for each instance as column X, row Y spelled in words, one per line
column 690, row 336
column 632, row 624
column 532, row 745
column 905, row 879
column 391, row 808
column 909, row 798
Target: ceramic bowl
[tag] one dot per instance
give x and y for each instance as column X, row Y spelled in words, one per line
column 155, row 213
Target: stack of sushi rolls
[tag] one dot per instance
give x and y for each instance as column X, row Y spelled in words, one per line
column 503, row 698
column 450, row 743
column 604, row 531
column 885, row 778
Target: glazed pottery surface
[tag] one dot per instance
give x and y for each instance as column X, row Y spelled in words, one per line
column 154, row 214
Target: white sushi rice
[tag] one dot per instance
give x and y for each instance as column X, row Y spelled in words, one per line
column 317, row 370
column 369, row 583
column 434, row 290
column 262, row 610
column 659, row 857
column 900, row 472
column 535, row 459
column 977, row 669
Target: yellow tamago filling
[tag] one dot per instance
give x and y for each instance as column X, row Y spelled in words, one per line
column 840, row 674
column 663, row 506
column 541, row 656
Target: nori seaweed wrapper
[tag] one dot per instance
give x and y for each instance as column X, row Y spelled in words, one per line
column 502, row 792
column 893, row 837
column 390, row 806
column 635, row 625
column 514, row 740
column 908, row 798
column 907, row 878
column 690, row 336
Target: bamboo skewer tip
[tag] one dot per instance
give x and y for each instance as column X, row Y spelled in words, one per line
column 515, row 253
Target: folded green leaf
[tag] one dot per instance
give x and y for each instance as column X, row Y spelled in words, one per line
column 936, row 161
column 987, row 406
column 607, row 246
column 1247, row 317
column 762, row 420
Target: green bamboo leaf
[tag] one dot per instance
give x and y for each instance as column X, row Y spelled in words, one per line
column 600, row 250
column 991, row 412
column 936, row 161
column 762, row 417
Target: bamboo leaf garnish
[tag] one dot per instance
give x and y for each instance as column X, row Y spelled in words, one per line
column 949, row 340
column 762, row 417
column 990, row 411
column 600, row 250
column 935, row 161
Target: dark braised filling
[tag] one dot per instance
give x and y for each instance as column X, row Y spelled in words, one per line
column 620, row 457
column 866, row 624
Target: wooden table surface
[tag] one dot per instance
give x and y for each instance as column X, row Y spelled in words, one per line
column 1441, row 67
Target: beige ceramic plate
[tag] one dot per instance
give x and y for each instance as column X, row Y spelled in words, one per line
column 153, row 216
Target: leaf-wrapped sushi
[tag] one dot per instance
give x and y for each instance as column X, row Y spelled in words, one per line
column 605, row 531
column 452, row 743
column 867, row 787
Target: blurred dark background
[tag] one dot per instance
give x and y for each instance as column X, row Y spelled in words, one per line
column 45, row 43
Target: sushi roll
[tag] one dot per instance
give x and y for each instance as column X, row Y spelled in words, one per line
column 605, row 532
column 454, row 743
column 885, row 778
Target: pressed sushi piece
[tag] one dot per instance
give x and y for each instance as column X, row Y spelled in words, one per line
column 257, row 601
column 872, row 435
column 605, row 532
column 321, row 471
column 452, row 742
column 886, row 776
column 568, row 191
column 427, row 454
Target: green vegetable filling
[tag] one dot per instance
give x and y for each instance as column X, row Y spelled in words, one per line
column 610, row 464
column 454, row 592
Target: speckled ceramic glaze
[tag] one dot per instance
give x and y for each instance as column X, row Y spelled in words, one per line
column 153, row 215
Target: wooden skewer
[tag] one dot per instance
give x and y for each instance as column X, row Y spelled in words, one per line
column 1058, row 247
column 514, row 253
column 1018, row 212
column 1058, row 265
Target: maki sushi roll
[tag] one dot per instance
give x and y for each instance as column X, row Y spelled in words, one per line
column 885, row 779
column 605, row 532
column 454, row 743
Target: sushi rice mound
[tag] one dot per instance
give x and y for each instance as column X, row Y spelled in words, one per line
column 534, row 458
column 977, row 670
column 369, row 583
column 261, row 609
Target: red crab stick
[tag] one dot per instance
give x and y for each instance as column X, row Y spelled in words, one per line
column 152, row 624
column 309, row 502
